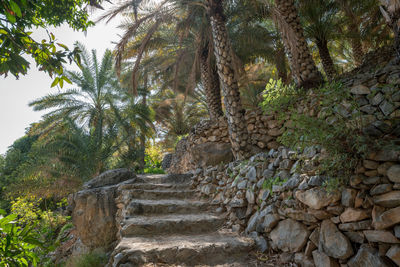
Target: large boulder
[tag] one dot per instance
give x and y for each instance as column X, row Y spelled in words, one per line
column 333, row 242
column 110, row 177
column 167, row 160
column 289, row 235
column 211, row 154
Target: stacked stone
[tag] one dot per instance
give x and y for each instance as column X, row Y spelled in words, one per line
column 356, row 225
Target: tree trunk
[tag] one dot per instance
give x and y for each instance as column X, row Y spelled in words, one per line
column 142, row 137
column 237, row 126
column 210, row 80
column 326, row 59
column 302, row 65
column 280, row 64
column 391, row 11
column 357, row 50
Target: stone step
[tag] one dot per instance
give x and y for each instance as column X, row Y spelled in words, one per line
column 155, row 194
column 210, row 249
column 163, row 206
column 166, row 178
column 155, row 186
column 171, row 224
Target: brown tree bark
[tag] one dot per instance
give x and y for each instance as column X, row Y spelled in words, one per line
column 326, row 59
column 237, row 127
column 391, row 11
column 210, row 80
column 303, row 68
column 280, row 64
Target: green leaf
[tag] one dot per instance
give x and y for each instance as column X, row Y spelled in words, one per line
column 65, row 78
column 2, row 31
column 15, row 8
column 10, row 17
column 55, row 82
column 63, row 46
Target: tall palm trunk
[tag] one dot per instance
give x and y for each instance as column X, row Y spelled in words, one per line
column 280, row 64
column 391, row 11
column 142, row 134
column 326, row 59
column 357, row 50
column 210, row 80
column 304, row 70
column 238, row 134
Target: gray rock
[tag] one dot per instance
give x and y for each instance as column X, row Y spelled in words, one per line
column 371, row 180
column 380, row 236
column 368, row 109
column 356, row 226
column 211, row 154
column 366, row 257
column 268, row 174
column 377, row 99
column 303, row 185
column 261, row 243
column 317, row 198
column 260, row 183
column 380, row 189
column 316, row 180
column 356, row 237
column 208, row 189
column 394, row 254
column 252, row 174
column 250, row 196
column 382, row 126
column 388, row 200
column 295, row 166
column 386, row 107
column 284, row 174
column 387, row 155
column 333, row 242
column 385, row 219
column 286, row 164
column 242, row 185
column 251, row 226
column 323, row 260
column 237, row 203
column 289, row 235
column 396, row 97
column 110, row 177
column 348, row 197
column 293, row 182
column 396, row 230
column 270, row 221
column 360, row 90
column 393, row 173
column 310, row 152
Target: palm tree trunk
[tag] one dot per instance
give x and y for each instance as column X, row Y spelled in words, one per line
column 304, row 70
column 280, row 64
column 326, row 59
column 238, row 134
column 210, row 80
column 357, row 50
column 142, row 137
column 391, row 11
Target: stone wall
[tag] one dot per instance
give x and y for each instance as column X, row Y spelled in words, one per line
column 357, row 224
column 375, row 90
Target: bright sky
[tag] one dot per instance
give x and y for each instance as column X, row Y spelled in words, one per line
column 15, row 114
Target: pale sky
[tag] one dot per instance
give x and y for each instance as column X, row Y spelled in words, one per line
column 15, row 114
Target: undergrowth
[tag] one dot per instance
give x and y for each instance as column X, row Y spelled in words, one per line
column 327, row 117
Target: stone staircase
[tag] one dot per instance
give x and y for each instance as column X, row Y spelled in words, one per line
column 162, row 223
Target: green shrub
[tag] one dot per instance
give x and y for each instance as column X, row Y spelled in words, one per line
column 95, row 258
column 17, row 243
column 153, row 170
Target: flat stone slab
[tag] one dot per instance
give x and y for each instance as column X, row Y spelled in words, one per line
column 180, row 249
column 143, row 206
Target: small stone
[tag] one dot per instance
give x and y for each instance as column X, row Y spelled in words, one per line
column 380, row 236
column 309, row 248
column 356, row 226
column 250, row 196
column 317, row 198
column 368, row 109
column 333, row 242
column 303, row 185
column 268, row 174
column 237, row 203
column 385, row 219
column 373, row 179
column 355, row 180
column 260, row 183
column 316, row 180
column 394, row 254
column 380, row 189
column 323, row 260
column 293, row 182
column 383, row 168
column 388, row 200
column 270, row 221
column 348, row 197
column 356, row 237
column 289, row 235
column 377, row 99
column 386, row 107
column 353, row 215
column 261, row 243
column 370, row 164
column 251, row 226
column 396, row 230
column 242, row 185
column 366, row 257
column 360, row 90
column 393, row 173
column 314, row 237
column 386, row 155
column 286, row 257
column 252, row 174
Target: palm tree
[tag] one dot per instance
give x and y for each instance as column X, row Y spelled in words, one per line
column 321, row 24
column 87, row 105
column 304, row 71
column 391, row 12
column 237, row 127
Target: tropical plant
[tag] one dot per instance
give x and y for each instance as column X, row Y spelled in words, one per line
column 391, row 12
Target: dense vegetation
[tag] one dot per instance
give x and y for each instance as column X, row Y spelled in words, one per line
column 169, row 70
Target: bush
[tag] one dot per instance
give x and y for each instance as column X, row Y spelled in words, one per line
column 95, row 258
column 17, row 243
